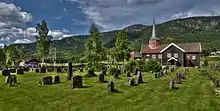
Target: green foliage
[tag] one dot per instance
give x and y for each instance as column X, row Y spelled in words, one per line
column 95, row 52
column 130, row 66
column 13, row 54
column 216, row 58
column 206, row 62
column 152, row 65
column 112, row 70
column 2, row 57
column 43, row 40
column 140, row 64
column 121, row 47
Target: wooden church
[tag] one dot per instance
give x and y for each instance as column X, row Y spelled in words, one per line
column 184, row 54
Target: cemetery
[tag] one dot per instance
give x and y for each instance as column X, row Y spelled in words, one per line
column 171, row 89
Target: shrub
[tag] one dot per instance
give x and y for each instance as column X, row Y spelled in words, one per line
column 130, row 66
column 206, row 62
column 112, row 70
column 152, row 65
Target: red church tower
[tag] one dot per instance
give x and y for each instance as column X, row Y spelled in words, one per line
column 154, row 42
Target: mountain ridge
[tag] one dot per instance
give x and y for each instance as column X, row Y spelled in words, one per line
column 192, row 29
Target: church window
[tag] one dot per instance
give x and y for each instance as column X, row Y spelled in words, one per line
column 153, row 56
column 176, row 55
column 168, row 55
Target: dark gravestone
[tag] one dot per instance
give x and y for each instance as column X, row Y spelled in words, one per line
column 131, row 81
column 77, row 82
column 101, row 78
column 172, row 70
column 178, row 78
column 139, row 78
column 26, row 69
column 14, row 78
column 5, row 72
column 47, row 80
column 43, row 70
column 56, row 79
column 59, row 70
column 37, row 70
column 111, row 87
column 171, row 84
column 136, row 71
column 20, row 71
column 8, row 79
column 91, row 73
column 156, row 74
column 70, row 71
column 12, row 70
column 128, row 74
column 116, row 75
column 161, row 73
column 81, row 70
column 104, row 72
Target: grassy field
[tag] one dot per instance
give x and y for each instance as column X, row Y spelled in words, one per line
column 195, row 94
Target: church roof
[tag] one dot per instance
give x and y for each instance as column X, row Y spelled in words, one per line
column 186, row 47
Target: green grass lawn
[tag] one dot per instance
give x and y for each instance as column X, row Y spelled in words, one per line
column 195, row 94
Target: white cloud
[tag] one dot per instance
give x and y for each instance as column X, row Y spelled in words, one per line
column 113, row 14
column 22, row 41
column 11, row 17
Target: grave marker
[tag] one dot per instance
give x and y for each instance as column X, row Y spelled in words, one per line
column 70, row 72
column 76, row 82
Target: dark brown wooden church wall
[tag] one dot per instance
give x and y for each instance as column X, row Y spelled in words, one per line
column 173, row 50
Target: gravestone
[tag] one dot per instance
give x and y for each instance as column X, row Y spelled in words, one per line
column 20, row 71
column 81, row 69
column 5, row 72
column 14, row 78
column 139, row 78
column 56, row 79
column 70, row 71
column 172, row 69
column 171, row 84
column 37, row 70
column 111, row 87
column 178, row 79
column 156, row 74
column 26, row 69
column 8, row 79
column 91, row 73
column 161, row 73
column 128, row 74
column 101, row 78
column 59, row 70
column 116, row 75
column 104, row 72
column 43, row 70
column 77, row 82
column 47, row 80
column 136, row 71
column 131, row 81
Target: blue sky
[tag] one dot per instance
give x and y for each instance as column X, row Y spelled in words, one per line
column 73, row 17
